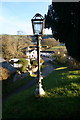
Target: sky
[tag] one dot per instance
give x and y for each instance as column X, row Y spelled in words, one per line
column 16, row 16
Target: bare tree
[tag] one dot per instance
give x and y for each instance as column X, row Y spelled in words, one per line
column 51, row 42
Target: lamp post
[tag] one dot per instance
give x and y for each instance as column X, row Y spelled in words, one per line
column 38, row 26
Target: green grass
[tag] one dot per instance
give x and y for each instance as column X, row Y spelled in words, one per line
column 56, row 47
column 62, row 99
column 9, row 87
column 63, row 82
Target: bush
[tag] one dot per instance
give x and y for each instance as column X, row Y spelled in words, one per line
column 60, row 59
column 24, row 63
column 73, row 63
column 41, row 61
column 4, row 73
column 35, row 62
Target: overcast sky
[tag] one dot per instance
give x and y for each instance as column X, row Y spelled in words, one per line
column 15, row 16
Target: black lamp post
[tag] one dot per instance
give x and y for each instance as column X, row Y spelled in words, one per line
column 38, row 27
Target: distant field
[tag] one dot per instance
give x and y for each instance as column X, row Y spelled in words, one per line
column 56, row 47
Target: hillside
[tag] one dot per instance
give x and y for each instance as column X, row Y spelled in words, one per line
column 62, row 99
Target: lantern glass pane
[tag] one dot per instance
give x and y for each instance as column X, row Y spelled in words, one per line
column 38, row 27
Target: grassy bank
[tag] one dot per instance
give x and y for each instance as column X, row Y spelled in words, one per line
column 9, row 86
column 56, row 48
column 62, row 99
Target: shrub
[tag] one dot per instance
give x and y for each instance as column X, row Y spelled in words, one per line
column 24, row 63
column 60, row 59
column 41, row 61
column 73, row 63
column 4, row 73
column 35, row 62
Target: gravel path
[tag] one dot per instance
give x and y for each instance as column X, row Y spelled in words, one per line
column 47, row 70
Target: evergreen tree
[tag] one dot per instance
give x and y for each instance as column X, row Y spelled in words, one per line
column 63, row 18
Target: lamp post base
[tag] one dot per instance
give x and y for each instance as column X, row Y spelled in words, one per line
column 39, row 92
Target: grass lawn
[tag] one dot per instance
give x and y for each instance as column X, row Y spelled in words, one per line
column 9, row 87
column 56, row 47
column 61, row 101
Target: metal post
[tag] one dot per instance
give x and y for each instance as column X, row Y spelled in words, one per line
column 39, row 90
column 38, row 57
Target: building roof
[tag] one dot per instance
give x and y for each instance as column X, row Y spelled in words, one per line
column 41, row 51
column 31, row 50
